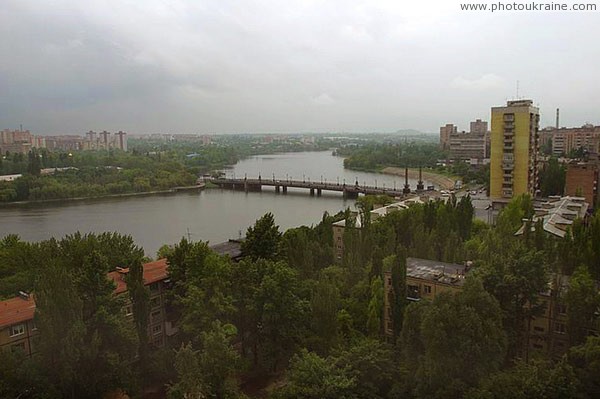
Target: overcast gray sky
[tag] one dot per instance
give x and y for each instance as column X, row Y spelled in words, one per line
column 286, row 66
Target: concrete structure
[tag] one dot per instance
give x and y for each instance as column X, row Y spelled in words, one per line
column 558, row 214
column 445, row 132
column 478, row 127
column 514, row 147
column 582, row 180
column 424, row 280
column 348, row 190
column 565, row 140
column 466, row 146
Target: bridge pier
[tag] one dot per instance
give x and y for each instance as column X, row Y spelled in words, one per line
column 350, row 194
column 312, row 192
column 284, row 189
column 318, row 192
column 276, row 189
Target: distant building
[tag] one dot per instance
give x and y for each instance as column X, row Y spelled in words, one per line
column 582, row 180
column 467, row 146
column 514, row 148
column 565, row 140
column 445, row 132
column 479, row 127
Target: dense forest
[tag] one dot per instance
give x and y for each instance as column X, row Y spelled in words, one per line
column 305, row 325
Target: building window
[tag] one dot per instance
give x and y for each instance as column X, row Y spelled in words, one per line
column 154, row 287
column 17, row 329
column 157, row 329
column 538, row 329
column 128, row 310
column 155, row 302
column 427, row 289
column 560, row 328
column 561, row 309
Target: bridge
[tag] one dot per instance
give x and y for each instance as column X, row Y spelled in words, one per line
column 348, row 190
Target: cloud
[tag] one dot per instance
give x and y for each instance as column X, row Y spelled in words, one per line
column 323, row 99
column 488, row 81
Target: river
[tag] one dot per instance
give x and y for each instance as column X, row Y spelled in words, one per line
column 212, row 215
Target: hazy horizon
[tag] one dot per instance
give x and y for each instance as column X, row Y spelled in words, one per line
column 270, row 67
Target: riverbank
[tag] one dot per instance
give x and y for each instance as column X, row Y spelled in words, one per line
column 443, row 181
column 124, row 195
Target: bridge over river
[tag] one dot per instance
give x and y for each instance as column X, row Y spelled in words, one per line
column 348, row 190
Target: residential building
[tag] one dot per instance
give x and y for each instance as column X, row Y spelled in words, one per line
column 467, row 146
column 338, row 234
column 514, row 148
column 582, row 181
column 425, row 279
column 478, row 127
column 565, row 140
column 445, row 132
column 17, row 327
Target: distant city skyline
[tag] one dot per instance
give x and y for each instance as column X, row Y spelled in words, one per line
column 286, row 67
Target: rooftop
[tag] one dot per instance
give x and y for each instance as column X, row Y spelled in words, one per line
column 153, row 272
column 232, row 248
column 558, row 214
column 16, row 310
column 433, row 270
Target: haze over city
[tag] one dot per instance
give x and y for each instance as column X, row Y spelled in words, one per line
column 309, row 66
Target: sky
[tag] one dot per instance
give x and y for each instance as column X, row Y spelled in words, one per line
column 202, row 66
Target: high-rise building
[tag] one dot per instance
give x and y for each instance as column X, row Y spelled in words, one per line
column 445, row 132
column 479, row 127
column 514, row 147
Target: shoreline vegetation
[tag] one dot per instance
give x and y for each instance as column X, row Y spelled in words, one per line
column 97, row 197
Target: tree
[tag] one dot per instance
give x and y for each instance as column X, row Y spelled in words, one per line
column 139, row 296
column 583, row 301
column 263, row 240
column 585, row 360
column 552, row 178
column 374, row 366
column 312, row 377
column 399, row 290
column 190, row 384
column 463, row 341
column 375, row 318
column 535, row 380
column 85, row 341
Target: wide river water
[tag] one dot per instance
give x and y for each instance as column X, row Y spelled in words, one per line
column 213, row 215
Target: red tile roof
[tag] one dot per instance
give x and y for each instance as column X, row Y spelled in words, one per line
column 17, row 310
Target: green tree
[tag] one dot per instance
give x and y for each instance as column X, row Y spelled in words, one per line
column 463, row 341
column 312, row 377
column 139, row 295
column 535, row 380
column 583, row 301
column 263, row 240
column 399, row 290
column 375, row 318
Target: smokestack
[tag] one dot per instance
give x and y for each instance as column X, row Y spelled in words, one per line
column 557, row 116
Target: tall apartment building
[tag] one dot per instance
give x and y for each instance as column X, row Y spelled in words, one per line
column 514, row 147
column 479, row 127
column 565, row 140
column 445, row 132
